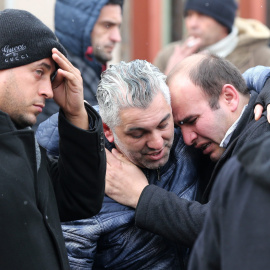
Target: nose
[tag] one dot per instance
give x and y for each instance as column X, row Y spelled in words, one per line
column 189, row 135
column 115, row 35
column 46, row 89
column 155, row 141
column 192, row 21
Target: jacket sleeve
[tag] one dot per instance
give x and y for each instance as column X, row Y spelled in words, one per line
column 256, row 77
column 206, row 253
column 81, row 237
column 47, row 135
column 78, row 174
column 174, row 218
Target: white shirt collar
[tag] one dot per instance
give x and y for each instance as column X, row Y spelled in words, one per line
column 228, row 135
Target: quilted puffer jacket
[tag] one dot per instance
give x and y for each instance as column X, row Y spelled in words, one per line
column 110, row 240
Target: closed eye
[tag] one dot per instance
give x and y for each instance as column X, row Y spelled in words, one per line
column 191, row 121
column 188, row 121
column 163, row 126
column 136, row 137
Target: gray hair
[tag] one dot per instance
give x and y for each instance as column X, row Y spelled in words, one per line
column 125, row 85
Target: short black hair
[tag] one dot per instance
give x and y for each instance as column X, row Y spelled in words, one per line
column 116, row 2
column 212, row 72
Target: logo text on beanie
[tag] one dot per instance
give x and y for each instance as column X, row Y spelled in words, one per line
column 7, row 51
column 12, row 53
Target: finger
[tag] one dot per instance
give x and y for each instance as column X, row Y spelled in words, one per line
column 57, row 80
column 107, row 189
column 110, row 158
column 60, row 55
column 120, row 156
column 65, row 77
column 61, row 60
column 177, row 50
column 66, row 69
column 194, row 45
column 258, row 111
column 116, row 153
column 268, row 113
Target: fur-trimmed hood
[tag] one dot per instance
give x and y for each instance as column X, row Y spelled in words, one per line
column 250, row 29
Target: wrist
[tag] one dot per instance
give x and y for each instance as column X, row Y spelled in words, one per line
column 79, row 119
column 136, row 198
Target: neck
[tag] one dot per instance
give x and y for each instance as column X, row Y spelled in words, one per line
column 226, row 45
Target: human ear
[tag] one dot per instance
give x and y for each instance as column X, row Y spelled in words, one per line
column 230, row 97
column 108, row 133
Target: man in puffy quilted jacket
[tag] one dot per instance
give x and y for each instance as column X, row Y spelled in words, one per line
column 89, row 30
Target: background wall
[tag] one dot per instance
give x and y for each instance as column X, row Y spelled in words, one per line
column 42, row 9
column 147, row 26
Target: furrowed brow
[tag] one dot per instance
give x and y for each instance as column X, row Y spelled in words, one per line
column 166, row 118
column 46, row 66
column 185, row 120
column 143, row 129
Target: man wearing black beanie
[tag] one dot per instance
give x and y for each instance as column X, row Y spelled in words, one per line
column 36, row 193
column 211, row 25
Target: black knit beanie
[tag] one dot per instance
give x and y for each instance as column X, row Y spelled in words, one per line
column 24, row 39
column 223, row 11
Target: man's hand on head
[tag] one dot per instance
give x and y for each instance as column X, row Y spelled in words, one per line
column 124, row 180
column 68, row 91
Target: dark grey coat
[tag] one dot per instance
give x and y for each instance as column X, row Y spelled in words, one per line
column 35, row 196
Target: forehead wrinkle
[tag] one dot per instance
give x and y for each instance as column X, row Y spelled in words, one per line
column 48, row 66
column 132, row 120
column 144, row 129
column 136, row 129
column 147, row 127
column 145, row 118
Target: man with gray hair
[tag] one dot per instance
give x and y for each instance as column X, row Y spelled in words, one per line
column 126, row 89
column 134, row 102
column 213, row 107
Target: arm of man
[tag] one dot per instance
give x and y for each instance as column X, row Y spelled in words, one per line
column 205, row 254
column 81, row 242
column 79, row 173
column 68, row 91
column 174, row 218
column 157, row 210
column 256, row 79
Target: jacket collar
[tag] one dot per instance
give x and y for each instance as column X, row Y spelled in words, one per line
column 246, row 117
column 225, row 46
column 91, row 61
